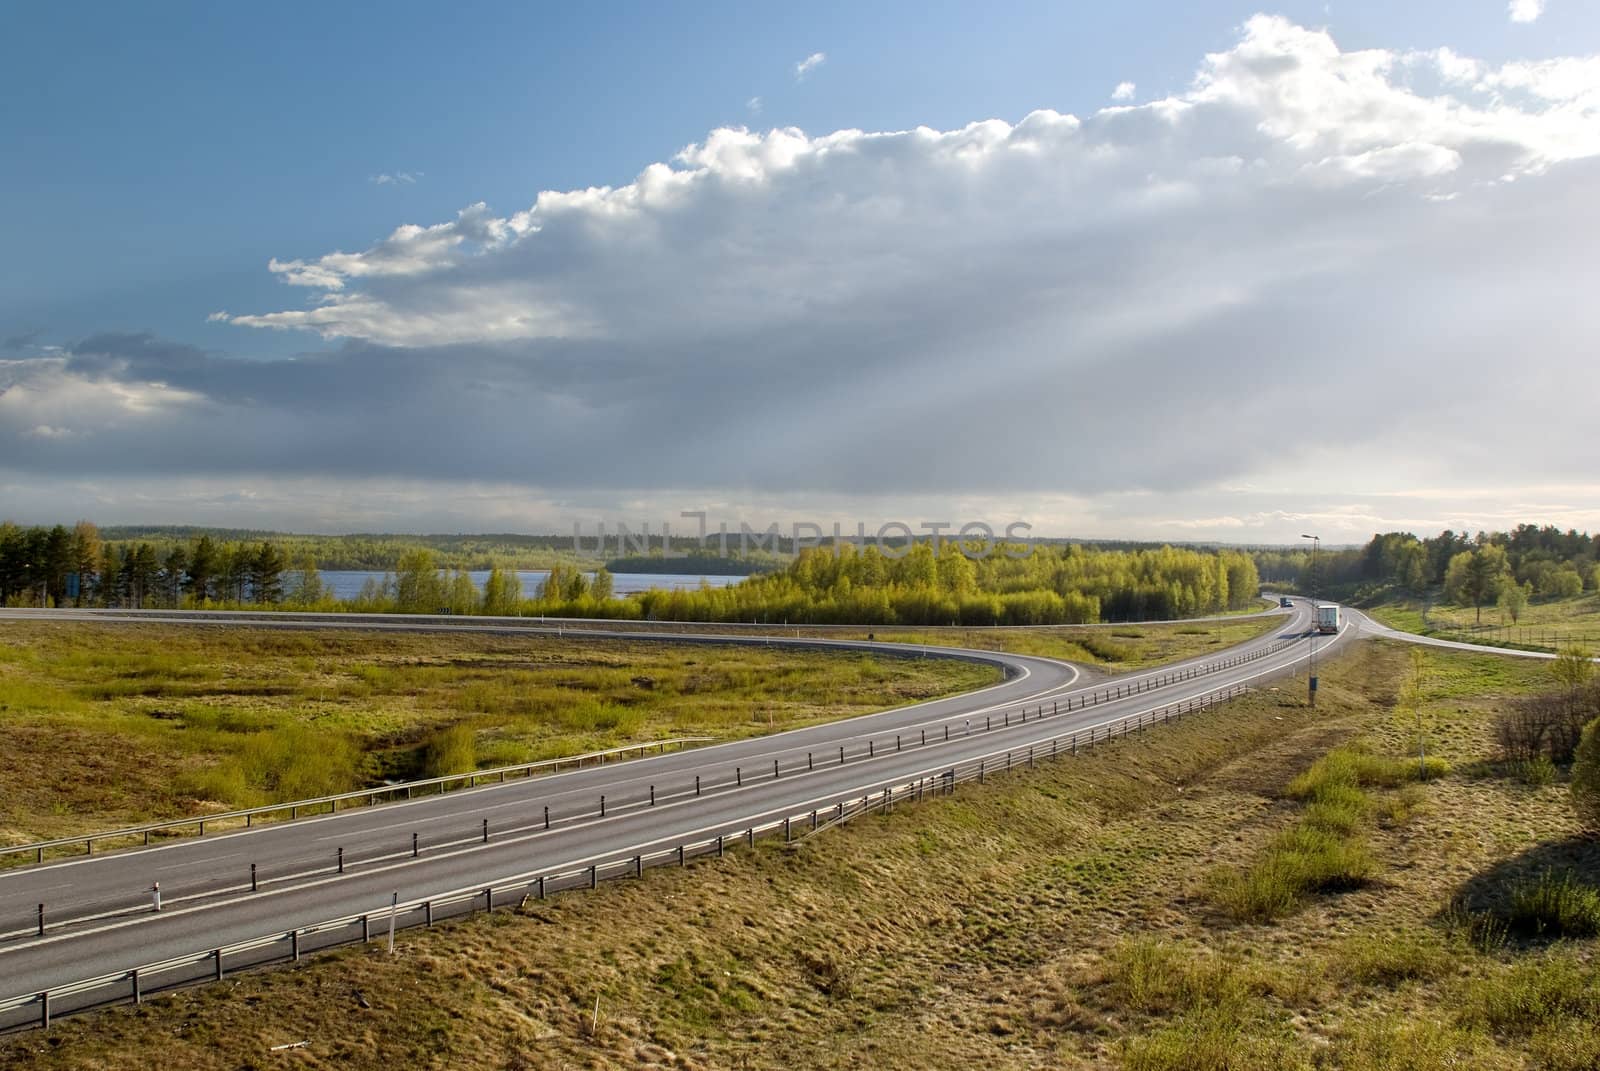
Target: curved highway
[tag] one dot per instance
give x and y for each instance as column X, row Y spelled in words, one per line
column 249, row 884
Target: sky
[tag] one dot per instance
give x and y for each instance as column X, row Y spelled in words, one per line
column 1149, row 270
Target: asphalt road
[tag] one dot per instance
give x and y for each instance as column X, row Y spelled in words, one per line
column 100, row 910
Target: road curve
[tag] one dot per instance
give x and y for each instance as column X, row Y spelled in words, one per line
column 1367, row 625
column 100, row 908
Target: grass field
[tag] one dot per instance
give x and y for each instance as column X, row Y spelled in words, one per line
column 1073, row 916
column 107, row 725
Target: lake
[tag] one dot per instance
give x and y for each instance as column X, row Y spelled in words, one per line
column 347, row 583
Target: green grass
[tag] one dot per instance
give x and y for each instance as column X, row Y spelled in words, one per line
column 1552, row 905
column 1546, row 624
column 1326, row 849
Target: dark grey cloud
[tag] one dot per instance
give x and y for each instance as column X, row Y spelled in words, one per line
column 1296, row 271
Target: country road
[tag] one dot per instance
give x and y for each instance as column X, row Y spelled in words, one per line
column 100, row 908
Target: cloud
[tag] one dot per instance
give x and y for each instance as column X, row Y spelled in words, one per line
column 1124, row 91
column 753, row 105
column 1525, row 10
column 396, row 178
column 1313, row 274
column 809, row 64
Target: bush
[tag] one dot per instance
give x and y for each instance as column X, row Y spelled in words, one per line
column 1537, row 772
column 1586, row 777
column 1553, row 906
column 450, row 751
column 1548, row 724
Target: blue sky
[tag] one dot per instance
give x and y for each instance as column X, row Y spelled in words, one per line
column 157, row 158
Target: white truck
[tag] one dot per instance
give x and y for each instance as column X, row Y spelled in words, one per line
column 1327, row 618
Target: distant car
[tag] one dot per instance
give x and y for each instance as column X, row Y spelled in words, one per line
column 1284, row 600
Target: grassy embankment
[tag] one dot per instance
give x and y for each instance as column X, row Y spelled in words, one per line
column 1544, row 625
column 1078, row 915
column 111, row 725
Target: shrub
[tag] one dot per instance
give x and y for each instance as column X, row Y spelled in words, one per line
column 1549, row 724
column 451, row 750
column 1538, row 772
column 1553, row 906
column 1586, row 777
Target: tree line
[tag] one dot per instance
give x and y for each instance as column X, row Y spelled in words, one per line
column 1490, row 568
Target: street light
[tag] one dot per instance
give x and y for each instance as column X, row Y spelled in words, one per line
column 1316, row 545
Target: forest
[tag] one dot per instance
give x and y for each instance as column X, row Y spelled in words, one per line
column 1054, row 583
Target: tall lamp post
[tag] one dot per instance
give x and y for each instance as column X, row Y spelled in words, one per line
column 1316, row 545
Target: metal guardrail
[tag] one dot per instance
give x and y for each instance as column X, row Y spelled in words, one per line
column 370, row 796
column 133, row 985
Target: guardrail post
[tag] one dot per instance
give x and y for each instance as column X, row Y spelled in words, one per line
column 594, row 876
column 541, row 886
column 88, row 845
column 416, row 847
column 638, row 866
column 249, row 819
column 787, row 835
column 750, row 836
column 1074, row 743
column 980, row 771
column 44, row 1009
column 216, row 955
column 719, row 846
column 366, row 929
column 488, row 898
column 1030, row 754
column 294, row 948
column 680, row 855
column 138, row 991
column 813, row 821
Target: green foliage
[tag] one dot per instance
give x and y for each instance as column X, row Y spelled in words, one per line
column 1053, row 585
column 1572, row 667
column 1536, row 992
column 1553, row 905
column 451, row 750
column 1586, row 777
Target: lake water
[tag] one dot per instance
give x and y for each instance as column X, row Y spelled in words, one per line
column 347, row 583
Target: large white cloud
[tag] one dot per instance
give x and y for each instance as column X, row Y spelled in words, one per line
column 1314, row 268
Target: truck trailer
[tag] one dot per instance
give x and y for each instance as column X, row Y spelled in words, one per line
column 1328, row 618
